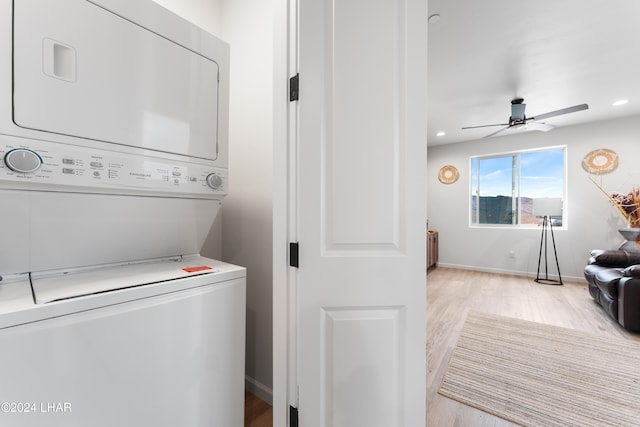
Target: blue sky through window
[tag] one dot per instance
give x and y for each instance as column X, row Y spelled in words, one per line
column 541, row 174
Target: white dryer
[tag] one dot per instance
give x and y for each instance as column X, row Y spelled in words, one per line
column 113, row 165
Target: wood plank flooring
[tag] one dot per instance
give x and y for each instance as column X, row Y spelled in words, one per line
column 257, row 413
column 452, row 293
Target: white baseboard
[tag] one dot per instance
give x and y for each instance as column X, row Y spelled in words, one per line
column 508, row 272
column 259, row 389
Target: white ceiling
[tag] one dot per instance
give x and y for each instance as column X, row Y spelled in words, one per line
column 552, row 53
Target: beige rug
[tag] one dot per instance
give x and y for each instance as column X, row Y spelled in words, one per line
column 541, row 375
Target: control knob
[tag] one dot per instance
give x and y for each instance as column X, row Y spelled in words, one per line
column 22, row 160
column 214, row 181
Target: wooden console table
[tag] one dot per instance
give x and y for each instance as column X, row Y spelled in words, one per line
column 432, row 248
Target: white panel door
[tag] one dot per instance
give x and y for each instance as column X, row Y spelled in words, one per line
column 361, row 212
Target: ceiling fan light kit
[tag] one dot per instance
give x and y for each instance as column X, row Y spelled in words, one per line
column 519, row 121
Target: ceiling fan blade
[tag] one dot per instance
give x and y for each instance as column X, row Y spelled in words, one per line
column 544, row 127
column 486, row 126
column 560, row 112
column 496, row 132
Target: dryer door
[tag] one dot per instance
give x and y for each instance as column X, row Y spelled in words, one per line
column 84, row 71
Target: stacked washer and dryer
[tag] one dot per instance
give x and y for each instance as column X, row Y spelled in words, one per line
column 114, row 141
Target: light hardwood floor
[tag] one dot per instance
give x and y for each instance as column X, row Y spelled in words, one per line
column 452, row 293
column 257, row 413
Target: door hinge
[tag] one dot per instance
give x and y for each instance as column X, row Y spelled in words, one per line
column 293, row 255
column 294, row 88
column 293, row 416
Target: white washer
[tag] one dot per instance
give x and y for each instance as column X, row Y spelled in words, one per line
column 165, row 349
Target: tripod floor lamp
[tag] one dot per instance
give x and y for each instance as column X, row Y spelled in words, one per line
column 546, row 208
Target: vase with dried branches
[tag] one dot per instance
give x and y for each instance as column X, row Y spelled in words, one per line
column 627, row 204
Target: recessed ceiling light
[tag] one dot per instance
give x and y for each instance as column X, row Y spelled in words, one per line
column 620, row 102
column 440, row 133
column 434, row 18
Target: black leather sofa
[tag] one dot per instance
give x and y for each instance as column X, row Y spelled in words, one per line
column 614, row 282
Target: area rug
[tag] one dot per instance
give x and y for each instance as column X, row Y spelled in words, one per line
column 541, row 375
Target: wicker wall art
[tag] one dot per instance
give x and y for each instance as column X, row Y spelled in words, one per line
column 600, row 161
column 448, row 174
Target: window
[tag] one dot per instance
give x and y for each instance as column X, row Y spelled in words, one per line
column 518, row 189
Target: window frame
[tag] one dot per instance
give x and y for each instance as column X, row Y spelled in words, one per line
column 516, row 192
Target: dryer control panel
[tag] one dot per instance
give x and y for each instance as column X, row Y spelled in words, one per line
column 45, row 166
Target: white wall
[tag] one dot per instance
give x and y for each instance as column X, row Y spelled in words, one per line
column 242, row 233
column 591, row 221
column 247, row 212
column 203, row 13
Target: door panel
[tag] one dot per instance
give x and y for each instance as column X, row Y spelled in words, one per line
column 351, row 388
column 363, row 146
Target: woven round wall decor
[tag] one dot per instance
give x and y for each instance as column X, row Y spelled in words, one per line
column 600, row 161
column 448, row 174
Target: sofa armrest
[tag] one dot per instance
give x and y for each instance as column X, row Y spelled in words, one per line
column 632, row 271
column 629, row 303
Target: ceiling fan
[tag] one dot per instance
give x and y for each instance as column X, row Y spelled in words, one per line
column 519, row 120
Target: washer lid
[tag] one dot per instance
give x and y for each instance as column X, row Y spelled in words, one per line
column 48, row 287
